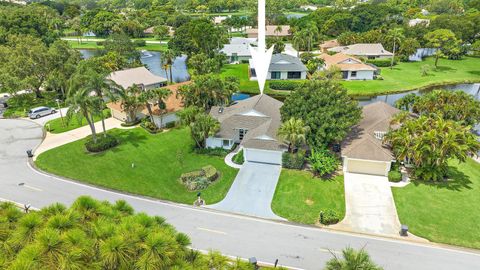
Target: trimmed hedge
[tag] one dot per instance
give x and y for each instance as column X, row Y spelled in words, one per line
column 220, row 152
column 328, row 217
column 238, row 158
column 293, row 161
column 200, row 179
column 139, row 43
column 284, row 85
column 102, row 144
column 170, row 125
column 210, row 172
column 382, row 62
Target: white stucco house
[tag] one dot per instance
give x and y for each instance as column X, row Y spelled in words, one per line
column 282, row 67
column 363, row 151
column 238, row 50
column 252, row 123
column 365, row 50
column 351, row 67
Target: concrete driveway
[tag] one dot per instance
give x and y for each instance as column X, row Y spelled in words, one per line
column 252, row 191
column 370, row 207
column 43, row 120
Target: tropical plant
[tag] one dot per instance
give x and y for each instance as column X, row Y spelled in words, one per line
column 293, row 131
column 406, row 102
column 130, row 101
column 81, row 104
column 444, row 40
column 425, row 70
column 331, row 73
column 168, row 57
column 323, row 162
column 396, row 37
column 352, row 260
column 203, row 127
column 429, row 143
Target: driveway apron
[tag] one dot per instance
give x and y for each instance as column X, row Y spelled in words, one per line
column 252, row 191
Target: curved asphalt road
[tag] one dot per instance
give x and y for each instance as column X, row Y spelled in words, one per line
column 294, row 246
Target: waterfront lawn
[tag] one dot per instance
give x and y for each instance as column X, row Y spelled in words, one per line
column 445, row 212
column 407, row 76
column 300, row 196
column 92, row 45
column 59, row 126
column 158, row 161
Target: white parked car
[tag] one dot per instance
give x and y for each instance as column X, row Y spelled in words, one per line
column 38, row 112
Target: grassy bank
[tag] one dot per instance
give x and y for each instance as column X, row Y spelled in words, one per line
column 92, row 45
column 300, row 197
column 158, row 161
column 444, row 212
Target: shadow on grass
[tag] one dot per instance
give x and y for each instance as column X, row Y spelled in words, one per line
column 474, row 72
column 456, row 181
column 444, row 69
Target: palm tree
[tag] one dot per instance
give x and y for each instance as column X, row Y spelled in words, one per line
column 168, row 57
column 298, row 41
column 145, row 97
column 131, row 102
column 352, row 260
column 293, row 132
column 203, row 127
column 160, row 95
column 278, row 30
column 82, row 105
column 395, row 36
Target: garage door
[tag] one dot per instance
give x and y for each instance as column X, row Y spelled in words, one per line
column 367, row 167
column 264, row 156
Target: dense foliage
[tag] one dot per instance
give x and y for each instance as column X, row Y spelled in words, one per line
column 325, row 108
column 323, row 162
column 352, row 259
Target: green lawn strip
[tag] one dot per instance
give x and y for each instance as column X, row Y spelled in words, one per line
column 59, row 126
column 92, row 45
column 446, row 213
column 300, row 196
column 159, row 160
column 407, row 76
column 18, row 106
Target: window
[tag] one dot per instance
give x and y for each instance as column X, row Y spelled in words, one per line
column 294, row 75
column 353, row 74
column 226, row 142
column 275, row 75
column 253, row 73
column 241, row 133
column 379, row 134
column 344, row 74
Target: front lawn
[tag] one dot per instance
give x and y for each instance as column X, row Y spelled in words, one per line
column 19, row 105
column 58, row 125
column 158, row 161
column 300, row 197
column 407, row 76
column 447, row 212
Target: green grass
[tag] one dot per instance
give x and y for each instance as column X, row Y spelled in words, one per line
column 300, row 196
column 18, row 106
column 407, row 76
column 59, row 126
column 92, row 45
column 447, row 212
column 159, row 161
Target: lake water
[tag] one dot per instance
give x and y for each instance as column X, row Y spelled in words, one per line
column 152, row 60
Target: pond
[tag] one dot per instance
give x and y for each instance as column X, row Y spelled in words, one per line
column 152, row 60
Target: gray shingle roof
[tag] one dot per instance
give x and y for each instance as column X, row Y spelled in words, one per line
column 239, row 49
column 259, row 114
column 285, row 62
column 135, row 76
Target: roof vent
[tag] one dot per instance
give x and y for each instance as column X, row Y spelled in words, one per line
column 220, row 110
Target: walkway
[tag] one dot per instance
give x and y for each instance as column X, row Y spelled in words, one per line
column 229, row 159
column 55, row 140
column 252, row 191
column 369, row 205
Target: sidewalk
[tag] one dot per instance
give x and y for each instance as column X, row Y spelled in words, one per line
column 54, row 140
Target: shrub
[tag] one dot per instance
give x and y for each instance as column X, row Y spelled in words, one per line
column 100, row 43
column 102, row 144
column 382, row 62
column 284, row 85
column 328, row 217
column 139, row 43
column 394, row 176
column 197, row 183
column 323, row 162
column 186, row 177
column 149, row 126
column 244, row 61
column 293, row 161
column 238, row 158
column 131, row 124
column 210, row 173
column 170, row 125
column 220, row 152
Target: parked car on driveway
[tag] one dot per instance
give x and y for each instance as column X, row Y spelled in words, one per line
column 38, row 112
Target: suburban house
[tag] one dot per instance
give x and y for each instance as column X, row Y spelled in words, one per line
column 417, row 21
column 252, row 123
column 243, row 40
column 282, row 67
column 328, row 45
column 219, row 19
column 150, row 31
column 271, row 31
column 351, row 67
column 366, row 50
column 140, row 76
column 363, row 151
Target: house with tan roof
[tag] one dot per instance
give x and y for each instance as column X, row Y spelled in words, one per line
column 328, row 45
column 271, row 31
column 161, row 117
column 352, row 68
column 363, row 151
column 252, row 123
column 365, row 50
column 140, row 76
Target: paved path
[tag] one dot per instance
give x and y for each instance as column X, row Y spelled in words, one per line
column 252, row 191
column 369, row 205
column 229, row 157
column 55, row 140
column 298, row 246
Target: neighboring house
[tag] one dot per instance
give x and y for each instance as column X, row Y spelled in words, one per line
column 252, row 123
column 149, row 31
column 140, row 76
column 351, row 67
column 363, row 151
column 282, row 67
column 219, row 19
column 366, row 50
column 271, row 31
column 417, row 21
column 242, row 40
column 309, row 7
column 160, row 117
column 239, row 49
column 328, row 45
